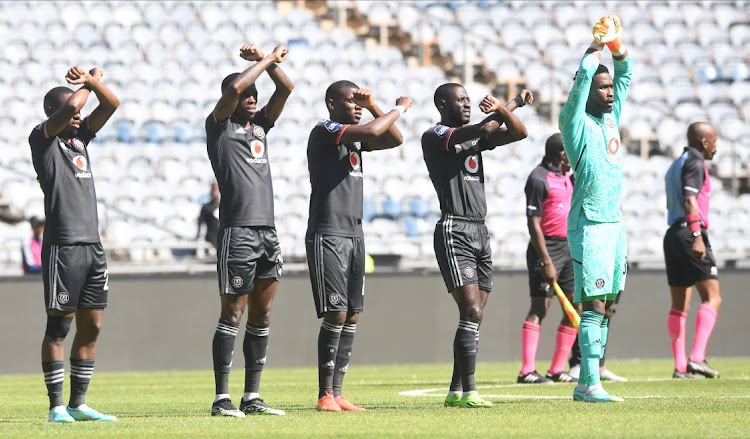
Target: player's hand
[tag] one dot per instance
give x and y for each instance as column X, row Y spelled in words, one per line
column 96, row 73
column 526, row 97
column 77, row 75
column 549, row 273
column 279, row 53
column 404, row 102
column 363, row 98
column 489, row 104
column 251, row 52
column 699, row 248
column 606, row 29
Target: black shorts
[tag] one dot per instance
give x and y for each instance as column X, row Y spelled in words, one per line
column 75, row 277
column 337, row 272
column 560, row 253
column 246, row 254
column 684, row 269
column 462, row 248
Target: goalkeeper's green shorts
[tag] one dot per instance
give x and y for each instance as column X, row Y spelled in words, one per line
column 600, row 261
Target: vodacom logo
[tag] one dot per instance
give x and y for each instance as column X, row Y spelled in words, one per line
column 613, row 146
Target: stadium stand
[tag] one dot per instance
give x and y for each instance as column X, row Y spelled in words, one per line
column 165, row 60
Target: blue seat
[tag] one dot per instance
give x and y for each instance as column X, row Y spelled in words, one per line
column 156, row 131
column 368, row 210
column 411, row 226
column 392, row 208
column 419, row 207
column 125, row 131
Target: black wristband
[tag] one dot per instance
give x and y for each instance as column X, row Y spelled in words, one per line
column 519, row 102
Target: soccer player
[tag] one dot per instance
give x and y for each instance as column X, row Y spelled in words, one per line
column 548, row 192
column 249, row 257
column 687, row 251
column 335, row 241
column 596, row 233
column 74, row 269
column 452, row 151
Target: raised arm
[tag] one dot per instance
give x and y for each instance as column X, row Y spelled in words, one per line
column 514, row 129
column 377, row 127
column 230, row 97
column 58, row 120
column 108, row 102
column 283, row 85
column 392, row 137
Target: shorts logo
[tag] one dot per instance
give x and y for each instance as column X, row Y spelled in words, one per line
column 334, row 298
column 63, row 297
column 714, row 271
column 613, row 146
column 259, row 133
column 77, row 143
column 472, row 164
column 80, row 162
column 257, row 149
column 600, row 283
column 441, row 129
column 469, row 272
column 610, row 123
column 236, row 282
column 332, row 126
column 354, row 160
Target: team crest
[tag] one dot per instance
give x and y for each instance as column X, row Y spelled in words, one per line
column 472, row 164
column 236, row 282
column 257, row 148
column 259, row 133
column 600, row 283
column 354, row 160
column 80, row 162
column 714, row 271
column 63, row 298
column 469, row 272
column 76, row 142
column 610, row 122
column 334, row 298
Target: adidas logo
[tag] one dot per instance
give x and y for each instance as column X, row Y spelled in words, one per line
column 240, row 131
column 344, row 369
column 261, row 361
column 328, row 365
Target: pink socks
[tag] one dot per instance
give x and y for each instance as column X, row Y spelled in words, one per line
column 529, row 343
column 704, row 324
column 564, row 340
column 676, row 326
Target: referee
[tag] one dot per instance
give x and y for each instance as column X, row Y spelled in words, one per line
column 687, row 251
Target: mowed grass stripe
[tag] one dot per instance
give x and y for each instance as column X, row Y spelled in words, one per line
column 174, row 404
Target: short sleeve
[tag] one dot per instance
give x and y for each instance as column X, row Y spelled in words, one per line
column 38, row 139
column 693, row 176
column 213, row 127
column 329, row 132
column 85, row 133
column 261, row 119
column 437, row 137
column 536, row 191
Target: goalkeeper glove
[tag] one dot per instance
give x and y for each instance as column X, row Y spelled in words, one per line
column 606, row 32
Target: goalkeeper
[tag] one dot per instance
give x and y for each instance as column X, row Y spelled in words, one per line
column 596, row 233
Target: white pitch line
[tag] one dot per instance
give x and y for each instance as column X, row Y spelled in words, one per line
column 441, row 394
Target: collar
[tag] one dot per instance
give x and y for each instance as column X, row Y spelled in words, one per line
column 694, row 152
column 551, row 167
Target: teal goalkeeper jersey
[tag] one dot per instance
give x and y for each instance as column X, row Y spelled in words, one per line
column 593, row 146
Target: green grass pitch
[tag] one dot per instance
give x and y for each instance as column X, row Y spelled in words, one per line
column 403, row 401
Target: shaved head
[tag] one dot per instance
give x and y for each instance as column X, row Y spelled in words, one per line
column 55, row 98
column 702, row 136
column 697, row 131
